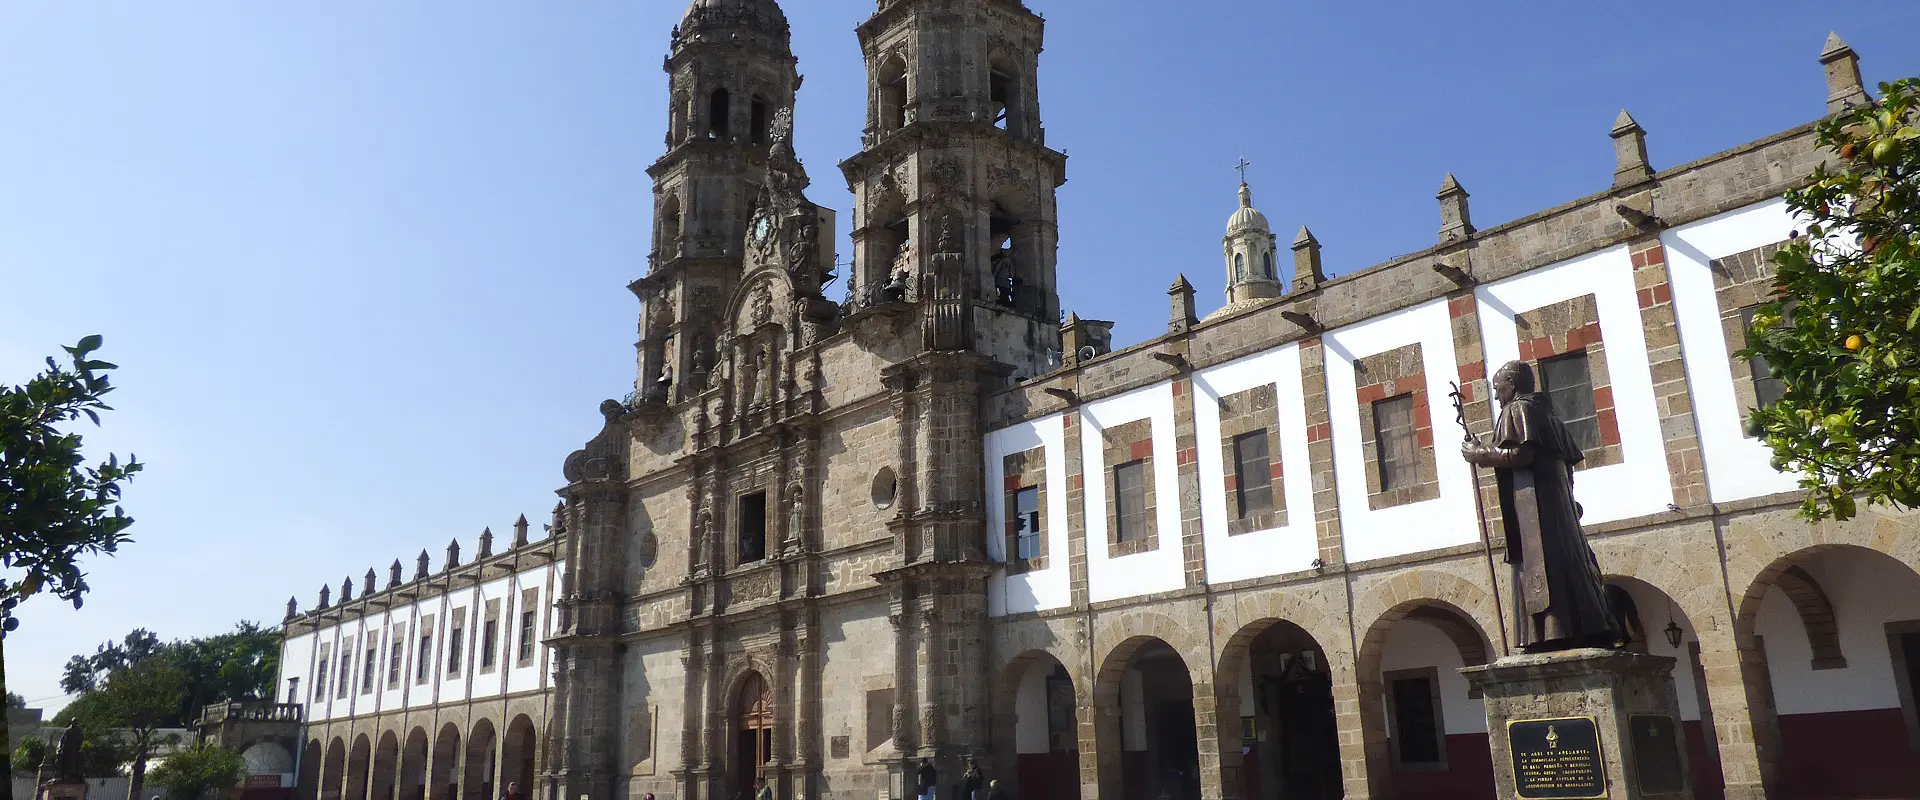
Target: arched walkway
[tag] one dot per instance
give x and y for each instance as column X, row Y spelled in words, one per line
column 1279, row 734
column 1653, row 619
column 335, row 771
column 1037, row 728
column 444, row 781
column 309, row 768
column 386, row 767
column 413, row 766
column 482, row 752
column 518, row 756
column 1424, row 729
column 1146, row 723
column 357, row 764
column 1828, row 636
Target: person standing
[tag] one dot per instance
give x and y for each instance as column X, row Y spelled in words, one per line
column 766, row 791
column 970, row 789
column 994, row 792
column 512, row 792
column 929, row 779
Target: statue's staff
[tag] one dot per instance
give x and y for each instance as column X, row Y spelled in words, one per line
column 1480, row 516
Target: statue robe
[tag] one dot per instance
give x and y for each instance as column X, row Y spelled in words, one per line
column 1559, row 593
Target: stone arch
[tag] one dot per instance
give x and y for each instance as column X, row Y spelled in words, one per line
column 1269, row 622
column 519, row 755
column 890, row 89
column 1816, row 615
column 334, row 774
column 386, row 767
column 359, row 762
column 412, row 783
column 1445, row 609
column 1801, row 760
column 1010, row 735
column 308, row 780
column 720, row 114
column 1160, row 635
column 669, row 230
column 443, row 781
column 1657, row 611
column 750, row 712
column 1006, row 94
column 481, row 761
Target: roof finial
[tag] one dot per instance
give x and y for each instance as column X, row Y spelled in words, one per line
column 1242, row 166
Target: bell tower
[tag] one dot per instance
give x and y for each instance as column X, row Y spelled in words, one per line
column 954, row 147
column 731, row 70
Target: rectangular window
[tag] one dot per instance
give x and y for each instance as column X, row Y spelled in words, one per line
column 753, row 527
column 1568, row 382
column 1416, row 734
column 1253, row 474
column 1399, row 450
column 345, row 679
column 293, row 690
column 394, row 655
column 488, row 633
column 320, row 681
column 454, row 638
column 1767, row 388
column 1130, row 501
column 366, row 668
column 528, row 618
column 1026, row 523
column 425, row 658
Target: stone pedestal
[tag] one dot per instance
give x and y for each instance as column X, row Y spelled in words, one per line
column 63, row 790
column 1584, row 724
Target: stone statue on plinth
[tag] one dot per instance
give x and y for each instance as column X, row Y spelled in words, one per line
column 1560, row 598
column 61, row 775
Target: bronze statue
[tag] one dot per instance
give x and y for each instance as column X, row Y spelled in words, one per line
column 1560, row 597
column 67, row 763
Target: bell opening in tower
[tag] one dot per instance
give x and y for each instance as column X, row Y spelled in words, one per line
column 761, row 119
column 1003, row 96
column 719, row 109
column 892, row 94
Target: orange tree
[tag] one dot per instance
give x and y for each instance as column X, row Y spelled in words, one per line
column 1843, row 330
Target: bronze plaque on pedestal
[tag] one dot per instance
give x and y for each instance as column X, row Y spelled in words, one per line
column 1557, row 759
column 1656, row 753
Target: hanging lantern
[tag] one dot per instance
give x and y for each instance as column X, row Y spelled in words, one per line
column 1674, row 634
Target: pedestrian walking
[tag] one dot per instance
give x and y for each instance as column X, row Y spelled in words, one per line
column 929, row 779
column 970, row 788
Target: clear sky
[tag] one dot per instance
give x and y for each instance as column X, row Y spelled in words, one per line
column 364, row 262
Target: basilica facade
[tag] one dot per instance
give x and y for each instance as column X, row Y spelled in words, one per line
column 934, row 516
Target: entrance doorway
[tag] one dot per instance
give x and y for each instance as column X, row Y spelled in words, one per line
column 1288, row 730
column 752, row 734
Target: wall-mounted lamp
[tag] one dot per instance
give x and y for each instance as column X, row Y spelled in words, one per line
column 1673, row 632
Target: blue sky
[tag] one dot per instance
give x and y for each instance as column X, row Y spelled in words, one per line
column 364, row 262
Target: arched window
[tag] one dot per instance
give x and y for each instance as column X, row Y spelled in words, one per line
column 677, row 118
column 1003, row 95
column 892, row 94
column 719, row 110
column 669, row 246
column 1239, row 266
column 1269, row 264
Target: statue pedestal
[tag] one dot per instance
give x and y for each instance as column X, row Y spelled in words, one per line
column 63, row 790
column 1584, row 724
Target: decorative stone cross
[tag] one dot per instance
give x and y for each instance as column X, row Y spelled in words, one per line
column 1242, row 166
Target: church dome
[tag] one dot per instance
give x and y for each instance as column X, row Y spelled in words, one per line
column 716, row 16
column 1247, row 218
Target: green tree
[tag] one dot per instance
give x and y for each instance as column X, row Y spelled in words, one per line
column 28, row 754
column 16, row 701
column 135, row 704
column 1843, row 333
column 192, row 771
column 237, row 666
column 54, row 509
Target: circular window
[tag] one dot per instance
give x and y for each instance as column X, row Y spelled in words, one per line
column 885, row 488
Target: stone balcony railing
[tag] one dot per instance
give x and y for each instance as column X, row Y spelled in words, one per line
column 251, row 712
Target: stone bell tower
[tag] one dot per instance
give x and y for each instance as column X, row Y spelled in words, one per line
column 953, row 138
column 730, row 72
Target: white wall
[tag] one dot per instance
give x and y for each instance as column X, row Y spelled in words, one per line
column 1037, row 590
column 1291, row 547
column 1157, row 570
column 1413, row 644
column 1030, row 710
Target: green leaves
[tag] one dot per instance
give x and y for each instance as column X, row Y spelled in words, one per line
column 1843, row 333
column 191, row 771
column 54, row 509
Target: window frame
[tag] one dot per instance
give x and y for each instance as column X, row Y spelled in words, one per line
column 1023, row 533
column 529, row 623
column 1242, row 510
column 368, row 668
column 423, row 668
column 1395, row 740
column 740, row 527
column 1385, row 467
column 1758, row 364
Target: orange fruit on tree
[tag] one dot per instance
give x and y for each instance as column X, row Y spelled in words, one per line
column 1855, row 342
